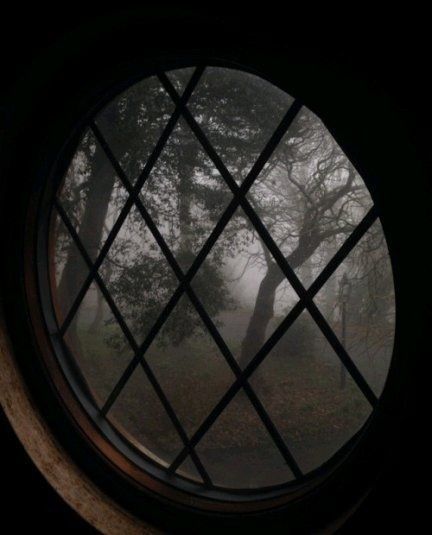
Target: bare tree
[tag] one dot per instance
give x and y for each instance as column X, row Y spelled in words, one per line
column 310, row 197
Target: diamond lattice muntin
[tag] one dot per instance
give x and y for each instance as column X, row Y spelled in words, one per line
column 221, row 280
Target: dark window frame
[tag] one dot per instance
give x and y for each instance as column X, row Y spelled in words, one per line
column 305, row 303
column 388, row 413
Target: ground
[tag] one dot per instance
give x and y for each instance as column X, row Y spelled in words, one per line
column 301, row 392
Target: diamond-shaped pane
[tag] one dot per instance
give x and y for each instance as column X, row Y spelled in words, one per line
column 92, row 195
column 140, row 416
column 237, row 283
column 188, row 469
column 299, row 384
column 189, row 366
column 133, row 122
column 185, row 195
column 180, row 78
column 238, row 452
column 359, row 304
column 96, row 341
column 137, row 275
column 238, row 112
column 69, row 268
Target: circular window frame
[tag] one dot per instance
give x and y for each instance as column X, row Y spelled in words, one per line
column 97, row 445
column 116, row 447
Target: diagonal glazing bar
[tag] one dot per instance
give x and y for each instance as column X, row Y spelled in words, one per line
column 130, row 338
column 274, row 249
column 231, row 361
column 295, row 312
column 128, row 205
column 310, row 305
column 202, row 255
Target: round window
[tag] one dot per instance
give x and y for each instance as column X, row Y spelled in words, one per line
column 220, row 298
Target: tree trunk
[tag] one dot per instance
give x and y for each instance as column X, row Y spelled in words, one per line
column 261, row 316
column 100, row 187
column 263, row 310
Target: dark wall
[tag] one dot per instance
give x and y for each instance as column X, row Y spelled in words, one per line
column 375, row 52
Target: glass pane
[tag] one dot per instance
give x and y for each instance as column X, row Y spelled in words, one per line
column 140, row 416
column 230, row 285
column 189, row 366
column 133, row 123
column 92, row 182
column 358, row 302
column 238, row 112
column 98, row 345
column 239, row 453
column 138, row 276
column 299, row 384
column 68, row 268
column 189, row 470
column 180, row 78
column 185, row 195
